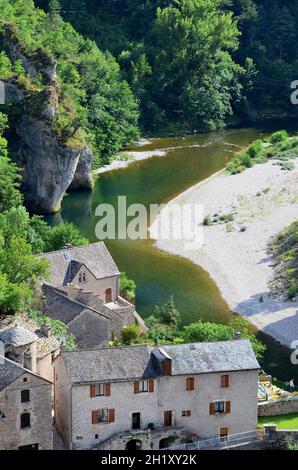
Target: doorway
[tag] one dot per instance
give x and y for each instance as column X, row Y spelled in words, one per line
column 108, row 295
column 168, row 418
column 136, row 420
column 133, row 445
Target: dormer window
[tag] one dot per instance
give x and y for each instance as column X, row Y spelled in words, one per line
column 82, row 277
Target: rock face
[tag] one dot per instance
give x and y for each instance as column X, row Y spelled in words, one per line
column 49, row 167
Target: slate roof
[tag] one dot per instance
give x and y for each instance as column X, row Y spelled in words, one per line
column 222, row 356
column 9, row 372
column 108, row 364
column 17, row 336
column 64, row 264
column 139, row 362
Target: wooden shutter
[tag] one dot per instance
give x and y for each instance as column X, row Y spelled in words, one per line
column 136, row 387
column 228, row 407
column 224, row 432
column 225, row 381
column 167, row 366
column 151, row 386
column 188, row 413
column 190, row 383
column 92, row 391
column 111, row 415
column 95, row 417
column 212, row 409
column 107, row 390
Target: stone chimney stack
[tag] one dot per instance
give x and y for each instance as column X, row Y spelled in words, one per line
column 46, row 329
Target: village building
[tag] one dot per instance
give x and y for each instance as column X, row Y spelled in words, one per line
column 29, row 344
column 84, row 293
column 25, row 408
column 141, row 397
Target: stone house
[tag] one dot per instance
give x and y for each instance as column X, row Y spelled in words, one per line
column 30, row 345
column 25, row 408
column 139, row 397
column 84, row 293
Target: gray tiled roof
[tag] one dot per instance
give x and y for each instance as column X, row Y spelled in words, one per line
column 64, row 264
column 17, row 336
column 136, row 362
column 200, row 358
column 9, row 372
column 108, row 364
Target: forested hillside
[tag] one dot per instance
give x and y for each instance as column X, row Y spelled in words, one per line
column 197, row 63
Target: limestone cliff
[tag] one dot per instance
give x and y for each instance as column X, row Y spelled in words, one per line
column 50, row 166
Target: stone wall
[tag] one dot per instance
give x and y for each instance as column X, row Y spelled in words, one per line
column 278, row 407
column 279, row 438
column 169, row 394
column 40, row 409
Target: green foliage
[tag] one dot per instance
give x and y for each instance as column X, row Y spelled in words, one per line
column 95, row 103
column 285, row 249
column 128, row 287
column 58, row 328
column 59, row 236
column 205, row 332
column 280, row 147
column 131, row 334
column 279, row 136
column 168, row 314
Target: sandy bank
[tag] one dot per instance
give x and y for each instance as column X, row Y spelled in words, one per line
column 263, row 201
column 126, row 158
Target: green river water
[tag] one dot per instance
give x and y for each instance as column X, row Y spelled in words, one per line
column 157, row 274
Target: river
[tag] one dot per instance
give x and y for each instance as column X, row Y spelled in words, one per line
column 158, row 275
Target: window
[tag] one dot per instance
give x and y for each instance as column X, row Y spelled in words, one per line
column 100, row 390
column 190, row 383
column 82, row 277
column 96, row 436
column 104, row 415
column 220, row 407
column 144, row 386
column 225, row 381
column 223, row 432
column 186, row 413
column 25, row 420
column 25, row 379
column 25, row 396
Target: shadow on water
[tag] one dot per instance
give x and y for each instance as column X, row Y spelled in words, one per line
column 154, row 181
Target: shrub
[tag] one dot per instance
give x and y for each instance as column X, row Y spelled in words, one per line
column 128, row 287
column 255, row 149
column 207, row 220
column 131, row 334
column 279, row 136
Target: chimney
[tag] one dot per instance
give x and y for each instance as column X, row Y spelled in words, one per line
column 237, row 335
column 46, row 329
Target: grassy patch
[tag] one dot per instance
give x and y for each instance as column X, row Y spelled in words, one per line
column 289, row 421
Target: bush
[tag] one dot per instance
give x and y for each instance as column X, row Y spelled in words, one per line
column 128, row 287
column 279, row 136
column 131, row 334
column 255, row 149
column 207, row 220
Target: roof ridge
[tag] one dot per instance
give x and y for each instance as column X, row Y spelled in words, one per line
column 70, row 248
column 105, row 348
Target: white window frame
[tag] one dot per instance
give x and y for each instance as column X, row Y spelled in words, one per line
column 143, row 386
column 221, row 407
column 103, row 415
column 100, row 390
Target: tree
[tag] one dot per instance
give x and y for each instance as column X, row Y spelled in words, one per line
column 131, row 334
column 61, row 235
column 206, row 332
column 168, row 314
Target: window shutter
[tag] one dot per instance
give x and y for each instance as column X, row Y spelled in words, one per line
column 95, row 417
column 228, row 407
column 111, row 415
column 92, row 391
column 107, row 390
column 151, row 386
column 190, row 383
column 136, row 387
column 188, row 413
column 212, row 409
column 225, row 381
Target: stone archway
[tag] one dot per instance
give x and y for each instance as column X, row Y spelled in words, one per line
column 134, row 444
